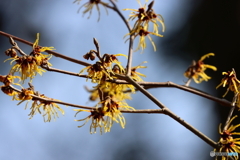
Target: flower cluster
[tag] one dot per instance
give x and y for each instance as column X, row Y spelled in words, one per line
column 48, row 108
column 97, row 117
column 25, row 94
column 197, row 70
column 112, row 95
column 144, row 16
column 29, row 65
column 119, row 91
column 103, row 117
column 227, row 142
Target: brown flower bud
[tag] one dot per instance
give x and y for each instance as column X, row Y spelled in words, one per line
column 11, row 52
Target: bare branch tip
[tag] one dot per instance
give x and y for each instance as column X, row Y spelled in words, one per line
column 12, row 41
column 95, row 42
column 150, row 5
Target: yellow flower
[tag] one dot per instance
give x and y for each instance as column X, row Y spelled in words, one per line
column 118, row 91
column 30, row 65
column 25, row 94
column 27, row 67
column 38, row 49
column 144, row 16
column 227, row 142
column 8, row 79
column 231, row 80
column 89, row 6
column 103, row 117
column 49, row 109
column 102, row 70
column 229, row 131
column 9, row 91
column 197, row 70
column 41, row 59
column 142, row 32
column 109, row 59
column 115, row 116
column 96, row 72
column 97, row 117
column 111, row 108
column 135, row 75
column 140, row 14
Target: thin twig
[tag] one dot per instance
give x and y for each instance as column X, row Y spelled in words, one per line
column 231, row 111
column 149, row 111
column 131, row 38
column 98, row 48
column 191, row 128
column 163, row 111
column 149, row 85
column 63, row 71
column 188, row 82
column 172, row 115
column 115, row 8
column 15, row 46
column 50, row 52
column 53, row 101
column 145, row 92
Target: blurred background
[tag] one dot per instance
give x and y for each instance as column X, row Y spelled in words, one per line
column 193, row 28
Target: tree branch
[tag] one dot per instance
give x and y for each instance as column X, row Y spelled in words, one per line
column 49, row 52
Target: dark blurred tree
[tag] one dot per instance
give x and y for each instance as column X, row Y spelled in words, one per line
column 214, row 26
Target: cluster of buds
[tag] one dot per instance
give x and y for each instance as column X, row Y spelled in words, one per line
column 102, row 69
